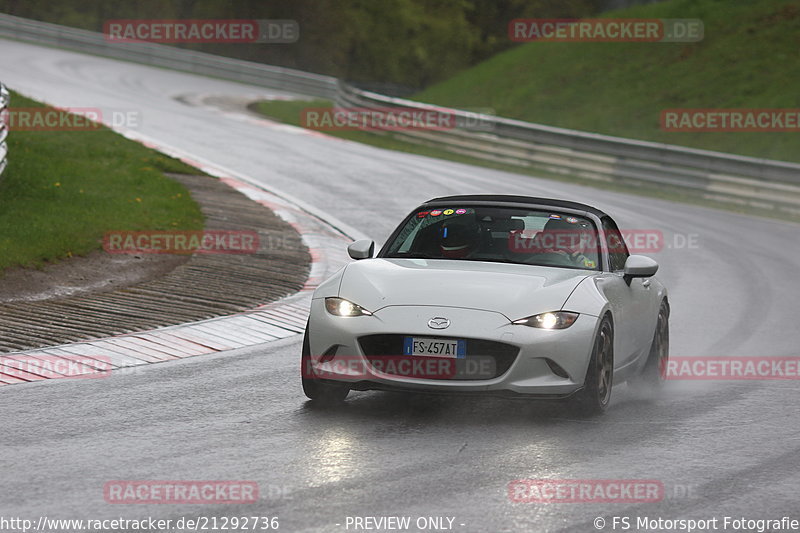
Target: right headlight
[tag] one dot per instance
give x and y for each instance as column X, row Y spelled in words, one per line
column 552, row 320
column 342, row 307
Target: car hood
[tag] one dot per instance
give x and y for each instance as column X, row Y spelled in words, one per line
column 516, row 291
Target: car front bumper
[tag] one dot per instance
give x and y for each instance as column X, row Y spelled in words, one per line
column 339, row 351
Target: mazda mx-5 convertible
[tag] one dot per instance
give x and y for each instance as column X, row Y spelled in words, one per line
column 483, row 294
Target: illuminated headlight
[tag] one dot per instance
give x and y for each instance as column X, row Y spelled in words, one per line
column 342, row 307
column 554, row 320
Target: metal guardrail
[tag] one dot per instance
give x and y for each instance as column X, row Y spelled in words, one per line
column 5, row 99
column 745, row 180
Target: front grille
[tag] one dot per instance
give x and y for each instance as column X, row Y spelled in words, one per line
column 484, row 359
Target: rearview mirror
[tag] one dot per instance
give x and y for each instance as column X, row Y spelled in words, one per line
column 362, row 249
column 639, row 266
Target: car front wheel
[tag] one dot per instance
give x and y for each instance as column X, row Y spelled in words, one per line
column 595, row 396
column 318, row 390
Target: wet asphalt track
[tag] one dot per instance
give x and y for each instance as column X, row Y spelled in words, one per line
column 719, row 448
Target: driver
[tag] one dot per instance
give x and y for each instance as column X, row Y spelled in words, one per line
column 563, row 238
column 457, row 240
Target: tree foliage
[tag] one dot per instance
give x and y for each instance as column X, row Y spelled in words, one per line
column 410, row 43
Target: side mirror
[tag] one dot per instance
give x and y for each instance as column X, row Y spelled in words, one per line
column 639, row 266
column 362, row 249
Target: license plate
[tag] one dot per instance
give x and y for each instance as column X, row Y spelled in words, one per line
column 430, row 347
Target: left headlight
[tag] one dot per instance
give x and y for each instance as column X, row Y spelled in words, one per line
column 554, row 320
column 342, row 307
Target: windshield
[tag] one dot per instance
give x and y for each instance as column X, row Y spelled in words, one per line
column 498, row 234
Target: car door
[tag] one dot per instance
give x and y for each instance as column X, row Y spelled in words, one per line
column 630, row 303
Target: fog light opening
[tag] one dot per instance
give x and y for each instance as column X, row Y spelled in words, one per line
column 329, row 354
column 556, row 369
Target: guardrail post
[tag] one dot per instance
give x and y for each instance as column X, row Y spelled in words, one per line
column 5, row 99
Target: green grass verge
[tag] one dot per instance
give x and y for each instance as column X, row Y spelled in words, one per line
column 746, row 60
column 289, row 112
column 62, row 190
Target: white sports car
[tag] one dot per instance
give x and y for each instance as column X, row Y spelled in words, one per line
column 504, row 295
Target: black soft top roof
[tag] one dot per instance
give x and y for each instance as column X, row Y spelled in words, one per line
column 512, row 199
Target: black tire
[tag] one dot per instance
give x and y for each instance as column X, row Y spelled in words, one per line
column 651, row 379
column 595, row 396
column 319, row 390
